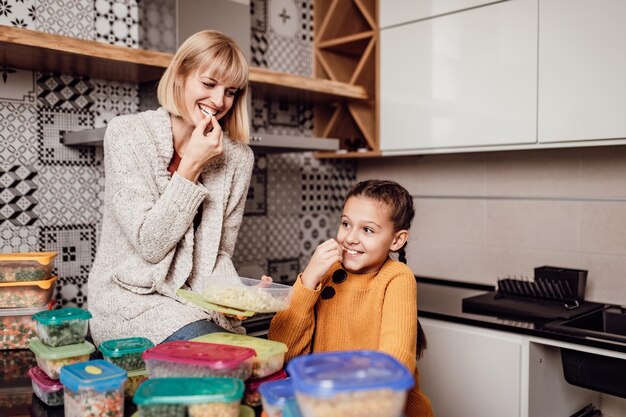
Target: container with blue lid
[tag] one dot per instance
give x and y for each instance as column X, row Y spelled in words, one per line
column 93, row 385
column 193, row 397
column 275, row 394
column 62, row 327
column 126, row 353
column 359, row 382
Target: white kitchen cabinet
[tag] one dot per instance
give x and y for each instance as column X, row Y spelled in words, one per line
column 472, row 372
column 466, row 79
column 396, row 12
column 582, row 63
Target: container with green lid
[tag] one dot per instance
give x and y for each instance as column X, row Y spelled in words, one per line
column 270, row 355
column 62, row 327
column 192, row 397
column 52, row 359
column 126, row 353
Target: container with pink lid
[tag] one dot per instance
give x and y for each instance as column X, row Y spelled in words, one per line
column 196, row 359
column 48, row 390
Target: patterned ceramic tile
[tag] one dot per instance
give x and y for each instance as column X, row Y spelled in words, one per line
column 314, row 230
column 117, row 22
column 17, row 85
column 112, row 99
column 259, row 114
column 52, row 122
column 157, row 29
column 289, row 23
column 75, row 245
column 325, row 184
column 252, row 241
column 73, row 18
column 284, row 271
column 283, row 184
column 71, row 292
column 69, row 195
column 18, row 13
column 282, row 238
column 17, row 195
column 18, row 134
column 65, row 91
column 256, row 202
column 18, row 239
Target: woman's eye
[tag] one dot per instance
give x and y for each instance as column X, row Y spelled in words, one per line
column 231, row 93
column 209, row 85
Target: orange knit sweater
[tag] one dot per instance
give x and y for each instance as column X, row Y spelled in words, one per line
column 376, row 311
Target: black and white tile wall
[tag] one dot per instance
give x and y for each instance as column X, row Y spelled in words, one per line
column 51, row 194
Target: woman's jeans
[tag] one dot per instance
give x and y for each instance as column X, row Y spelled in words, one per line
column 195, row 329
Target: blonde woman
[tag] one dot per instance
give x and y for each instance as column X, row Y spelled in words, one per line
column 176, row 185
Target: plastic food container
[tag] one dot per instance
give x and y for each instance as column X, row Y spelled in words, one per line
column 196, row 359
column 26, row 266
column 14, row 366
column 291, row 408
column 17, row 327
column 252, row 395
column 52, row 359
column 248, row 294
column 270, row 355
column 26, row 293
column 192, row 397
column 350, row 383
column 274, row 396
column 135, row 378
column 93, row 389
column 62, row 327
column 48, row 390
column 126, row 353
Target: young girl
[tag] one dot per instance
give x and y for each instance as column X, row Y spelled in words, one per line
column 352, row 295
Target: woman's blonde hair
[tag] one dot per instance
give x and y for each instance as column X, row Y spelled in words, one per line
column 225, row 62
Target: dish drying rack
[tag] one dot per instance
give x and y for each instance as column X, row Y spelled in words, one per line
column 553, row 290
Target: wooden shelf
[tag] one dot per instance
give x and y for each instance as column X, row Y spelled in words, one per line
column 346, row 155
column 45, row 52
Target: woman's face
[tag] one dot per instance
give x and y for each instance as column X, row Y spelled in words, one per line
column 203, row 94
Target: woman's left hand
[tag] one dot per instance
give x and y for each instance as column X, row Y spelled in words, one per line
column 206, row 143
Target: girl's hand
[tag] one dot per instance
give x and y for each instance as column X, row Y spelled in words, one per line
column 206, row 143
column 323, row 258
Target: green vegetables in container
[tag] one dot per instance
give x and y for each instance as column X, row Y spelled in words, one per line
column 66, row 326
column 126, row 352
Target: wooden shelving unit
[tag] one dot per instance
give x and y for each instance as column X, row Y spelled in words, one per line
column 346, row 50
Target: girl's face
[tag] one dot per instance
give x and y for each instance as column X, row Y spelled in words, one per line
column 203, row 94
column 367, row 235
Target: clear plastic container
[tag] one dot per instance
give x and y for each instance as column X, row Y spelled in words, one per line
column 62, row 327
column 135, row 378
column 52, row 359
column 189, row 397
column 350, row 383
column 125, row 353
column 248, row 294
column 93, row 389
column 274, row 396
column 48, row 390
column 26, row 266
column 252, row 395
column 26, row 293
column 17, row 326
column 270, row 355
column 196, row 359
column 14, row 366
column 291, row 409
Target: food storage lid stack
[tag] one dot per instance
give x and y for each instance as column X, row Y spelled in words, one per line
column 323, row 375
column 44, row 382
column 161, row 391
column 116, row 348
column 213, row 355
column 264, row 348
column 97, row 375
column 277, row 393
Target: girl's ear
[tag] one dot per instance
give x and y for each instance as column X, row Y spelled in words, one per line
column 399, row 240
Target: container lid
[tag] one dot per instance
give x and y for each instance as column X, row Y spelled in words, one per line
column 44, row 351
column 277, row 392
column 98, row 375
column 138, row 372
column 156, row 391
column 325, row 374
column 44, row 285
column 44, row 258
column 212, row 355
column 25, row 311
column 116, row 348
column 264, row 348
column 42, row 379
column 62, row 315
column 253, row 384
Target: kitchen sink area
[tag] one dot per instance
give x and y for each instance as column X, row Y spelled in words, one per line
column 608, row 323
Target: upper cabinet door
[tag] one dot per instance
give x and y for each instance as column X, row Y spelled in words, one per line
column 396, row 12
column 465, row 79
column 582, row 70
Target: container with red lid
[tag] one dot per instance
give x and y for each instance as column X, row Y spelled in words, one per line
column 196, row 359
column 251, row 395
column 48, row 390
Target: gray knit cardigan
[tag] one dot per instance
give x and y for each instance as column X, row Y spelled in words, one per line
column 148, row 248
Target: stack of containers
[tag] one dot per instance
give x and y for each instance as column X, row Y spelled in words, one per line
column 61, row 341
column 126, row 353
column 275, row 395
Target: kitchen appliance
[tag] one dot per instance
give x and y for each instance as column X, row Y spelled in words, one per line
column 555, row 293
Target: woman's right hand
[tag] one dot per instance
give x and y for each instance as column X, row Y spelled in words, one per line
column 206, row 143
column 325, row 255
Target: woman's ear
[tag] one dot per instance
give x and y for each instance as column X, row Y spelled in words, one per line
column 399, row 240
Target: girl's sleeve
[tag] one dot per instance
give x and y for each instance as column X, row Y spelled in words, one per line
column 398, row 335
column 296, row 325
column 152, row 222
